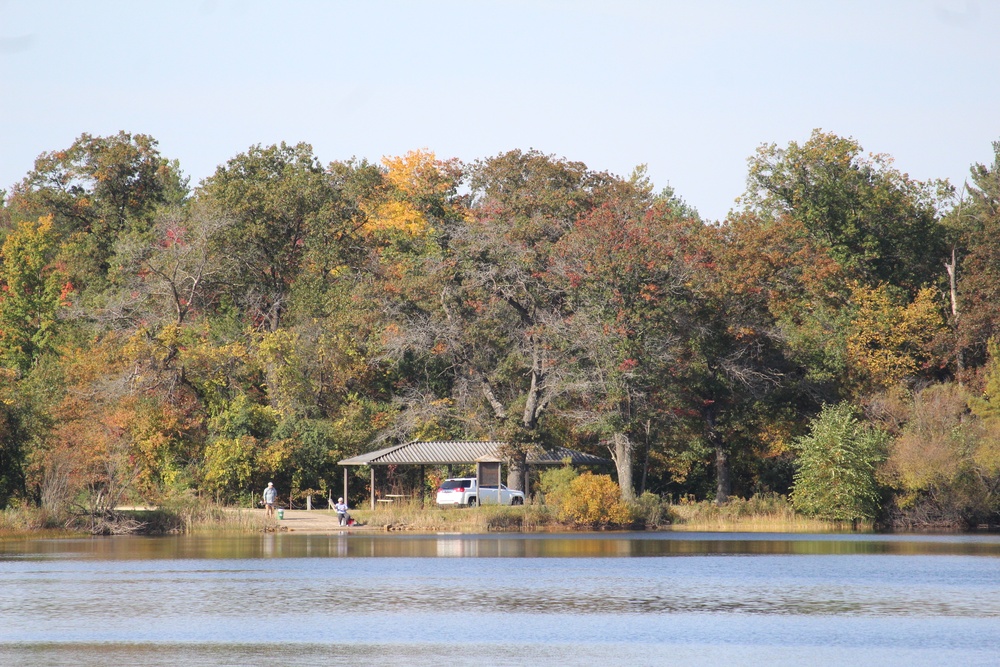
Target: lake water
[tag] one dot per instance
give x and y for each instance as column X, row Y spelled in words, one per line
column 595, row 599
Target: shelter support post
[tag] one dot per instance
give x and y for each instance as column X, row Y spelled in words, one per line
column 422, row 485
column 373, row 487
column 345, row 484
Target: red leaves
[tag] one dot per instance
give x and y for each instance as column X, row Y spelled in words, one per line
column 628, row 365
column 174, row 236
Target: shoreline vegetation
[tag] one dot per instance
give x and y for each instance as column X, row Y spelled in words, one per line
column 759, row 514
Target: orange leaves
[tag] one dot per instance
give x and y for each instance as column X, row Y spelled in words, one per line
column 64, row 293
column 418, row 185
column 649, row 292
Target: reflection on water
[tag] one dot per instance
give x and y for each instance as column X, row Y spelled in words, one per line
column 512, row 599
column 602, row 545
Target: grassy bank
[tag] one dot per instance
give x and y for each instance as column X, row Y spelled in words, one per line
column 486, row 519
column 757, row 514
column 34, row 522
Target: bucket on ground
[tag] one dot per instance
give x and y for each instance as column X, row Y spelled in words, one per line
column 281, row 514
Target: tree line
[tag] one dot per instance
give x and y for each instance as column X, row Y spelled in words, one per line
column 833, row 338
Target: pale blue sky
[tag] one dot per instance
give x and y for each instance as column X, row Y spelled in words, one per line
column 688, row 88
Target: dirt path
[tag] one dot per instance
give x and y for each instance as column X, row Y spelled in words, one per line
column 314, row 521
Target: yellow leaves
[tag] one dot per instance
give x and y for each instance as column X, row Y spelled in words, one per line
column 420, row 174
column 229, row 463
column 339, row 270
column 433, row 429
column 212, row 365
column 418, row 184
column 941, row 444
column 277, row 456
column 400, row 216
column 594, row 500
column 776, row 437
column 278, row 346
column 8, row 376
column 889, row 341
column 986, row 455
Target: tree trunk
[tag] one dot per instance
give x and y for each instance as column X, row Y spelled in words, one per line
column 723, row 483
column 517, row 471
column 952, row 269
column 622, row 455
column 645, row 460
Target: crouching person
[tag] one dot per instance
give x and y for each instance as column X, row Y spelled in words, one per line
column 341, row 509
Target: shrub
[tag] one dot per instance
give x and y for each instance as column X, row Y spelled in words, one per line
column 554, row 484
column 652, row 510
column 945, row 464
column 835, row 476
column 594, row 500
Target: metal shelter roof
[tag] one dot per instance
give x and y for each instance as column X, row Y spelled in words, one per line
column 464, row 451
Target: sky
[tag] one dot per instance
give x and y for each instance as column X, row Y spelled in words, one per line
column 691, row 89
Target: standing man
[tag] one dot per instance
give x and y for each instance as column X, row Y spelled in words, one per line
column 270, row 495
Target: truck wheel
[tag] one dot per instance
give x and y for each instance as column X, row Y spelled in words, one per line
column 517, row 501
column 473, row 501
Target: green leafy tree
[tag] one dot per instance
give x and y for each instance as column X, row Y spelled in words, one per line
column 16, row 436
column 879, row 224
column 775, row 261
column 275, row 200
column 975, row 265
column 734, row 368
column 987, row 406
column 492, row 316
column 835, row 466
column 32, row 292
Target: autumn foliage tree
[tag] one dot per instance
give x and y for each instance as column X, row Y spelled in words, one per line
column 626, row 273
column 287, row 313
column 97, row 191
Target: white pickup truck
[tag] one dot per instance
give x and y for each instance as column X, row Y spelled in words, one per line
column 465, row 491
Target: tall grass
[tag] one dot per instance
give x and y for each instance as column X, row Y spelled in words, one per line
column 25, row 520
column 218, row 519
column 430, row 518
column 189, row 516
column 760, row 513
